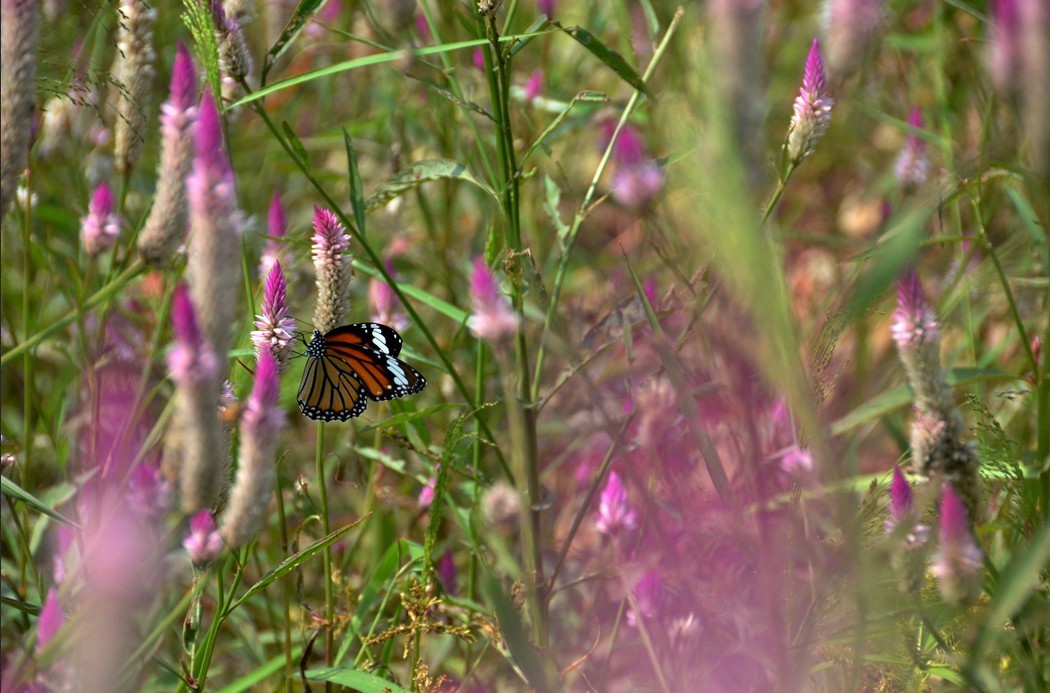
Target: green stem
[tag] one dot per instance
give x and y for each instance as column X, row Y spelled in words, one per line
column 287, row 586
column 585, row 203
column 329, row 591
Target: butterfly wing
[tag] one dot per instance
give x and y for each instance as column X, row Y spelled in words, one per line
column 374, row 362
column 349, row 363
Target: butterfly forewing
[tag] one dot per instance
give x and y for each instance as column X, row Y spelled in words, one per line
column 352, row 362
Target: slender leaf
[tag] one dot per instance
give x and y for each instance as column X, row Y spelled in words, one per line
column 355, row 680
column 297, row 145
column 607, row 55
column 357, row 193
column 303, row 14
column 13, row 490
column 553, row 198
column 294, row 561
column 583, row 97
column 525, row 655
column 24, row 607
column 445, row 93
column 440, row 305
column 423, row 172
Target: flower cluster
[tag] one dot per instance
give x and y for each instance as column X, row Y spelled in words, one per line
column 812, row 111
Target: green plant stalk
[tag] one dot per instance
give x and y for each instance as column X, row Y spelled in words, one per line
column 523, row 417
column 329, row 590
column 286, row 589
column 388, row 279
column 585, row 203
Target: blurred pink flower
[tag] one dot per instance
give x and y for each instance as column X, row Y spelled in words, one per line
column 386, row 307
column 1005, row 54
column 913, row 166
column 203, row 542
column 648, row 599
column 812, row 111
column 493, row 319
column 478, row 58
column 615, row 515
column 635, row 187
column 852, row 26
column 191, row 360
column 546, row 7
column 446, row 570
column 276, row 228
column 900, row 496
column 957, row 564
column 100, row 229
column 533, row 85
column 50, row 621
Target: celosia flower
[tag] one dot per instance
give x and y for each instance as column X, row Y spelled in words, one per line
column 235, row 61
column 261, row 427
column 615, row 515
column 100, row 229
column 165, row 229
column 812, row 111
column 50, row 621
column 385, row 304
column 546, row 7
column 18, row 42
column 134, row 72
column 851, row 26
column 493, row 318
column 917, row 334
column 1004, row 45
column 477, row 58
column 957, row 564
column 203, row 543
column 332, row 263
column 216, row 227
column 637, row 178
column 276, row 228
column 913, row 166
column 900, row 496
column 276, row 330
column 426, row 494
column 196, row 440
column 797, row 460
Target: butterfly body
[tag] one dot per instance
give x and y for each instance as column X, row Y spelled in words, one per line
column 348, row 365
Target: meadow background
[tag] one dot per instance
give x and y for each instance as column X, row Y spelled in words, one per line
column 735, row 345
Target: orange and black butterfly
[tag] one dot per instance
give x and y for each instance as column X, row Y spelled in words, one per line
column 351, row 364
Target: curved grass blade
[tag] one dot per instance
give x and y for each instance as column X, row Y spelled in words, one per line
column 294, row 561
column 423, row 172
column 607, row 55
column 13, row 490
column 355, row 680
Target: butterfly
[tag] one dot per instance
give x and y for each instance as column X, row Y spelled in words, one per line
column 348, row 365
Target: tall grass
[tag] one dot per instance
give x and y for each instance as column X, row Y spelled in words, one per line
column 722, row 394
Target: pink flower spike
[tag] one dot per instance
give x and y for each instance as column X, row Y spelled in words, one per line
column 614, row 514
column 276, row 330
column 385, row 304
column 629, row 149
column 1005, row 45
column 183, row 89
column 478, row 58
column 913, row 166
column 493, row 318
column 277, row 221
column 333, row 267
column 914, row 323
column 426, row 494
column 211, row 162
column 192, row 358
column 812, row 110
column 900, row 495
column 50, row 621
column 203, row 542
column 100, row 229
column 957, row 564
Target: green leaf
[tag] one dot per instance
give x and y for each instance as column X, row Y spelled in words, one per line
column 355, row 680
column 550, row 205
column 440, row 305
column 294, row 561
column 297, row 145
column 583, row 97
column 441, row 91
column 1017, row 581
column 13, row 490
column 607, row 55
column 423, row 172
column 888, row 401
column 525, row 655
column 357, row 193
column 303, row 14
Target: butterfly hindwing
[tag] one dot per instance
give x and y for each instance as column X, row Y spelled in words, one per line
column 350, row 363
